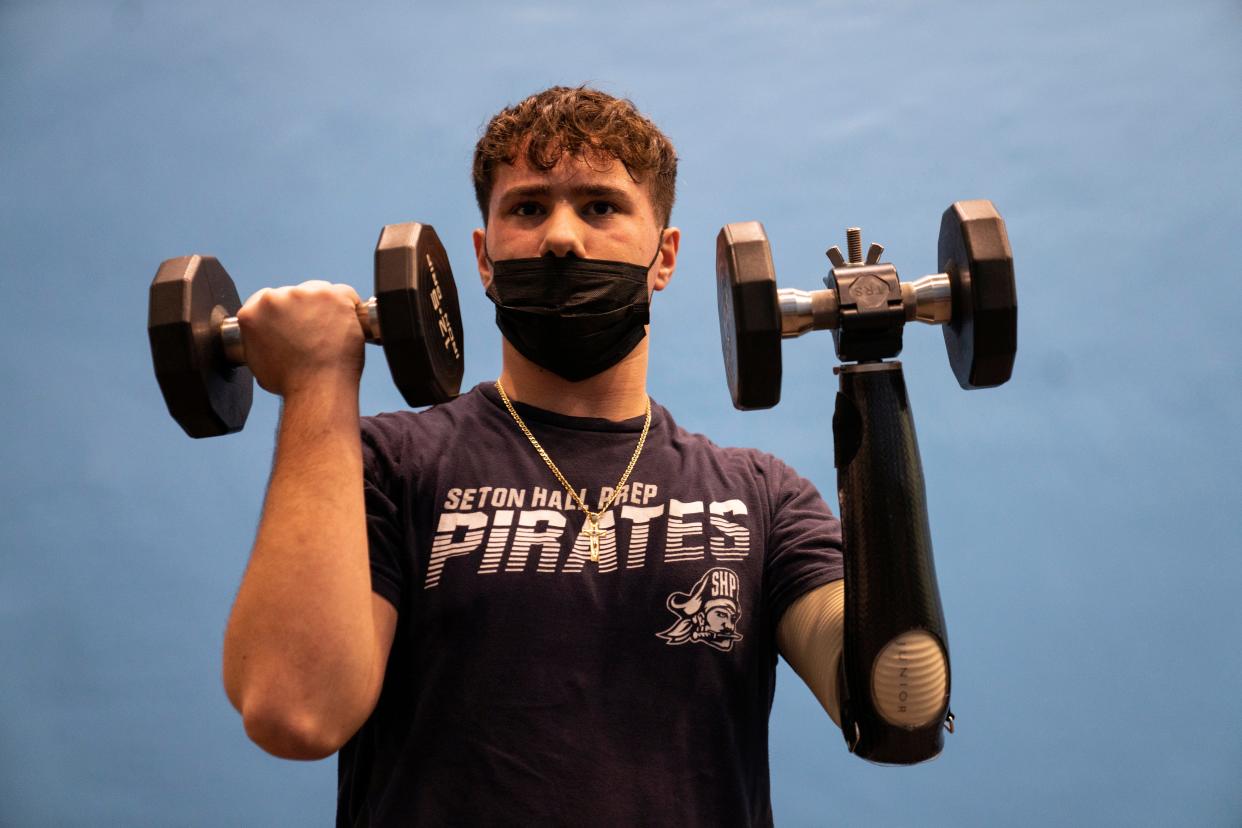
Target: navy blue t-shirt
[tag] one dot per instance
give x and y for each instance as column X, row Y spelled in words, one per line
column 530, row 685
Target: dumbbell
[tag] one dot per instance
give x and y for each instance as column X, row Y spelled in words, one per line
column 199, row 355
column 866, row 306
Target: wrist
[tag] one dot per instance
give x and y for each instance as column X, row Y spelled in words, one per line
column 326, row 397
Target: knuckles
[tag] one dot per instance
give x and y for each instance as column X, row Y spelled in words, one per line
column 310, row 298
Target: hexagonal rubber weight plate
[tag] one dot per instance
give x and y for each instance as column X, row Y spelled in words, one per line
column 982, row 336
column 189, row 298
column 750, row 317
column 419, row 318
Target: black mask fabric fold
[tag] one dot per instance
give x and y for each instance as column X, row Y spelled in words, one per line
column 575, row 317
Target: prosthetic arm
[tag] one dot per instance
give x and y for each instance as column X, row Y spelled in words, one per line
column 874, row 652
column 873, row 648
column 895, row 676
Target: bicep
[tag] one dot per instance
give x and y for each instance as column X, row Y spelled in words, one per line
column 811, row 635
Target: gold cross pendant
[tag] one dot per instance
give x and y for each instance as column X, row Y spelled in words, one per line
column 593, row 536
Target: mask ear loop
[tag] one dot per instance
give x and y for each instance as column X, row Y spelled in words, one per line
column 659, row 247
column 487, row 255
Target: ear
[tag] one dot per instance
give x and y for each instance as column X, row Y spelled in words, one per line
column 670, row 243
column 479, row 237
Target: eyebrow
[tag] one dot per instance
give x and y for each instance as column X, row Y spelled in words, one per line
column 577, row 191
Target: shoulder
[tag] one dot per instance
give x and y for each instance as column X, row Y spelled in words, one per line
column 402, row 438
column 764, row 468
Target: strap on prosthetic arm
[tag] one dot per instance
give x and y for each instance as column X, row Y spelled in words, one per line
column 895, row 677
column 810, row 637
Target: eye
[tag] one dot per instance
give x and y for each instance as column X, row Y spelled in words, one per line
column 600, row 208
column 527, row 209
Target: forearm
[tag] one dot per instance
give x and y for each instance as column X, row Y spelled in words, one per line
column 300, row 646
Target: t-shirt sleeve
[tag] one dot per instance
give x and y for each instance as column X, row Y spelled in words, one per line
column 384, row 526
column 804, row 541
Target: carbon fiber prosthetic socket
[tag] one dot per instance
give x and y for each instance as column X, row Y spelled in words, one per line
column 895, row 665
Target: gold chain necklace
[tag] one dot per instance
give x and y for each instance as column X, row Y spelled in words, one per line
column 592, row 518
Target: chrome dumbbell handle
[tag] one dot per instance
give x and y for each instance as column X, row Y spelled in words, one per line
column 235, row 348
column 807, row 310
column 928, row 300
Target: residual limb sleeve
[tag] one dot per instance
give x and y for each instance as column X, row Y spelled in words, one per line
column 894, row 677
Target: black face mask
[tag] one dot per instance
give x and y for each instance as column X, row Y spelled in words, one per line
column 575, row 317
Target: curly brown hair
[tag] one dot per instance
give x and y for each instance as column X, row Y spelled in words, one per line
column 583, row 122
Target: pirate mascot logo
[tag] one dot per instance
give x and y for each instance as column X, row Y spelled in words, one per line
column 708, row 613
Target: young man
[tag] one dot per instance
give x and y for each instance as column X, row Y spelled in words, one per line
column 544, row 602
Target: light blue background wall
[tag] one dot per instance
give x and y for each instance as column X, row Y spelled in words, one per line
column 1086, row 515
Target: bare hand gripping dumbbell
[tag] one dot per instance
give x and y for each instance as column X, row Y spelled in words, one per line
column 894, row 675
column 199, row 350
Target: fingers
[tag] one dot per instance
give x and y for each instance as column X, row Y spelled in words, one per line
column 296, row 334
column 312, row 288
